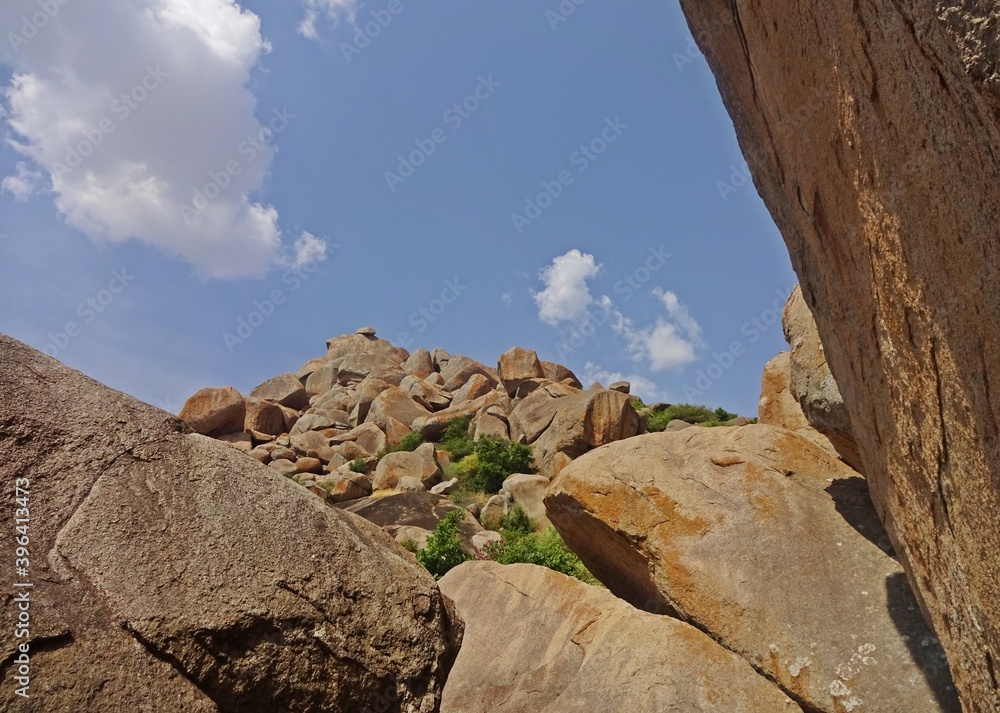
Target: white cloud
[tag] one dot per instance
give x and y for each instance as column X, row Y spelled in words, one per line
column 21, row 184
column 566, row 296
column 507, row 298
column 130, row 132
column 669, row 343
column 308, row 248
column 331, row 9
column 644, row 388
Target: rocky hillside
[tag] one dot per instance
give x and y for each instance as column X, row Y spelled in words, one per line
column 735, row 568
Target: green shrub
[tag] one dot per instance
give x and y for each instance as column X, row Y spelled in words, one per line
column 359, row 465
column 411, row 545
column 411, row 442
column 542, row 548
column 464, row 469
column 721, row 415
column 444, row 548
column 457, row 429
column 657, row 420
column 498, row 459
column 517, row 522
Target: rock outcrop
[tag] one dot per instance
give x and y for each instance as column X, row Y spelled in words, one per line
column 778, row 407
column 760, row 538
column 547, row 643
column 812, row 384
column 872, row 131
column 172, row 572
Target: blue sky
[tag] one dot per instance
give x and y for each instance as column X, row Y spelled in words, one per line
column 472, row 176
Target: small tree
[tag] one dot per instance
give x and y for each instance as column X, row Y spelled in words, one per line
column 497, row 460
column 444, row 548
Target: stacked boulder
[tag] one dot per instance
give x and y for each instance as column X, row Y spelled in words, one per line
column 331, row 424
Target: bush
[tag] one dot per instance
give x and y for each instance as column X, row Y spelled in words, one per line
column 359, row 465
column 411, row 442
column 721, row 415
column 691, row 413
column 496, row 460
column 517, row 522
column 456, row 440
column 543, row 548
column 444, row 548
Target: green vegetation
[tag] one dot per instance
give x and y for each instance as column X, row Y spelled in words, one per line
column 517, row 521
column 411, row 442
column 456, row 439
column 542, row 548
column 496, row 460
column 691, row 413
column 359, row 465
column 444, row 548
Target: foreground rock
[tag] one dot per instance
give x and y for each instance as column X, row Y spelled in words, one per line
column 872, row 133
column 758, row 537
column 174, row 573
column 547, row 643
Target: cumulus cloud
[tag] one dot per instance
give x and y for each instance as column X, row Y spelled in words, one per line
column 22, row 183
column 330, row 9
column 644, row 388
column 671, row 342
column 566, row 296
column 152, row 134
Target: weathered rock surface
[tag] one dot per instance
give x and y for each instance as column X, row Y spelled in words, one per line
column 872, row 132
column 528, row 491
column 757, row 536
column 394, row 403
column 215, row 412
column 284, row 389
column 812, row 384
column 581, row 422
column 173, row 572
column 517, row 364
column 415, row 509
column 778, row 407
column 548, row 643
column 421, row 464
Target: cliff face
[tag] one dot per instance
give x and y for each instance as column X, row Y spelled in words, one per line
column 872, row 130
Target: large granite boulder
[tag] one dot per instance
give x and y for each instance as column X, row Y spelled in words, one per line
column 172, row 572
column 547, row 643
column 769, row 544
column 284, row 389
column 215, row 411
column 872, row 130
